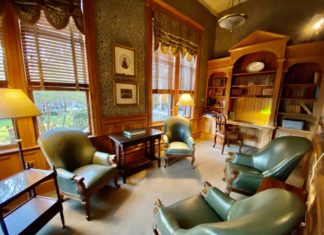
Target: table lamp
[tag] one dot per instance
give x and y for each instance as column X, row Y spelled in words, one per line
column 185, row 100
column 14, row 103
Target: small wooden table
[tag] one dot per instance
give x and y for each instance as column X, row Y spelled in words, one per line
column 268, row 183
column 121, row 142
column 34, row 213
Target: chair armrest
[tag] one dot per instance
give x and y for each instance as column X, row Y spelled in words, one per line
column 102, row 158
column 243, row 159
column 65, row 174
column 219, row 201
column 191, row 143
column 247, row 181
column 166, row 140
column 165, row 221
column 282, row 170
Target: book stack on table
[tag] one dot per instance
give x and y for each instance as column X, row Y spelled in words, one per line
column 133, row 132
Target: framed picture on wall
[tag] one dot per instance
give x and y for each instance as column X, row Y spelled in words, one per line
column 124, row 60
column 125, row 93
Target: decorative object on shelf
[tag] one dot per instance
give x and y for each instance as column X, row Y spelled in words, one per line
column 293, row 124
column 125, row 93
column 14, row 103
column 255, row 67
column 232, row 20
column 267, row 91
column 124, row 60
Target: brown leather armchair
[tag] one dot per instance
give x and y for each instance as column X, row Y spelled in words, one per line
column 228, row 133
column 81, row 170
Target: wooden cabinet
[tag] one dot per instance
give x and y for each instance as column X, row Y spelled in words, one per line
column 35, row 212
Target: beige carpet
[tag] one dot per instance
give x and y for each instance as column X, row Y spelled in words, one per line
column 128, row 210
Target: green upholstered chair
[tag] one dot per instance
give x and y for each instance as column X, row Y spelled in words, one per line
column 81, row 170
column 177, row 139
column 273, row 211
column 244, row 173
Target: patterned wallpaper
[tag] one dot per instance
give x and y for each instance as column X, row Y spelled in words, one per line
column 121, row 22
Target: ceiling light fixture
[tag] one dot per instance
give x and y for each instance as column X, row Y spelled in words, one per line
column 232, row 20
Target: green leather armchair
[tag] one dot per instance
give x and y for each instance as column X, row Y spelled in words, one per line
column 81, row 170
column 273, row 211
column 244, row 173
column 177, row 139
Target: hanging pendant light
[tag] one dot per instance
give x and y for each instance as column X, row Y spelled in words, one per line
column 233, row 20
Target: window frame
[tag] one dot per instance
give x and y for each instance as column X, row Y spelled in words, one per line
column 155, row 5
column 56, row 85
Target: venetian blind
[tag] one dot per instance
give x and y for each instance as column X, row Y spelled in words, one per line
column 163, row 72
column 2, row 58
column 187, row 75
column 54, row 59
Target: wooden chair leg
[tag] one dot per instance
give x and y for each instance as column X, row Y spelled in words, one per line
column 116, row 177
column 166, row 161
column 223, row 147
column 86, row 205
column 241, row 145
column 215, row 137
column 193, row 161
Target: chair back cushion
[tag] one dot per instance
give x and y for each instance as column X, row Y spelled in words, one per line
column 177, row 128
column 274, row 210
column 66, row 148
column 286, row 150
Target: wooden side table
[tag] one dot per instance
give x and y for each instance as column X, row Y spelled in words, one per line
column 268, row 183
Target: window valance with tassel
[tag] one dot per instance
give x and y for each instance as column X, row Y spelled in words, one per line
column 57, row 12
column 172, row 35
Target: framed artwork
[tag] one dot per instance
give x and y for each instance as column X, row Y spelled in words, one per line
column 124, row 60
column 125, row 93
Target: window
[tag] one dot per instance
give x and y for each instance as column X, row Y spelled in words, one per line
column 56, row 72
column 171, row 76
column 7, row 135
column 163, row 85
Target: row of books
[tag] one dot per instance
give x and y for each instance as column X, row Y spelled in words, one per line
column 133, row 132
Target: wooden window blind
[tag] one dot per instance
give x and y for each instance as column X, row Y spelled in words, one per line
column 187, row 76
column 54, row 59
column 163, row 72
column 3, row 77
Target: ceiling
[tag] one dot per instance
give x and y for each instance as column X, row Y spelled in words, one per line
column 217, row 6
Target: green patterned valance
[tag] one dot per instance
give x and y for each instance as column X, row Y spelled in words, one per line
column 172, row 35
column 57, row 12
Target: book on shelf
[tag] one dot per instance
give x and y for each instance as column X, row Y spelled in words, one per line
column 133, row 132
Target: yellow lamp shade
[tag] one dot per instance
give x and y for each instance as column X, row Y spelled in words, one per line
column 185, row 100
column 14, row 103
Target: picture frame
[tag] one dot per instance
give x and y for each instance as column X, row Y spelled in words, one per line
column 124, row 60
column 125, row 93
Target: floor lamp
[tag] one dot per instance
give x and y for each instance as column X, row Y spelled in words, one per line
column 14, row 103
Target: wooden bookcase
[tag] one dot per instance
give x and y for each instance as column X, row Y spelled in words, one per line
column 301, row 99
column 288, row 91
column 216, row 87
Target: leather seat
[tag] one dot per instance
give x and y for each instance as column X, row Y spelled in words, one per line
column 273, row 211
column 81, row 169
column 177, row 139
column 244, row 173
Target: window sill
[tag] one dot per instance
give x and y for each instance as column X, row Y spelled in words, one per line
column 4, row 152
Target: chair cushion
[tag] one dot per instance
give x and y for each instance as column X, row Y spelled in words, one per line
column 193, row 211
column 95, row 175
column 179, row 148
column 236, row 167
